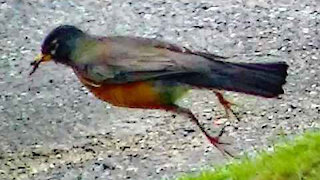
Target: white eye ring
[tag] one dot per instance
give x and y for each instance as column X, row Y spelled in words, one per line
column 53, row 52
column 54, row 41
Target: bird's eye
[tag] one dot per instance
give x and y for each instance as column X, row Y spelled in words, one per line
column 55, row 47
column 54, row 41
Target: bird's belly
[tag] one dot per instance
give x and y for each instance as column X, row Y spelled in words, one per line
column 133, row 95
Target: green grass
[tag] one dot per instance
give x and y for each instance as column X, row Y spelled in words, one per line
column 296, row 160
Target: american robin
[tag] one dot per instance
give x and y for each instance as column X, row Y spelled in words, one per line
column 137, row 72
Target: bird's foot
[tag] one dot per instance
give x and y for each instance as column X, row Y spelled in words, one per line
column 219, row 145
column 215, row 141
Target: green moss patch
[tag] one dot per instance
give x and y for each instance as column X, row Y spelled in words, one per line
column 296, row 160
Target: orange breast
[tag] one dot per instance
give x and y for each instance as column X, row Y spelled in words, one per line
column 133, row 95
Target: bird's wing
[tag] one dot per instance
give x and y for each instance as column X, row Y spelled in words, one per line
column 129, row 59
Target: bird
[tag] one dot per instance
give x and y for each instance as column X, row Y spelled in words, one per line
column 147, row 73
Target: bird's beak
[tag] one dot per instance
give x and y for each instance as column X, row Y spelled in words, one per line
column 39, row 59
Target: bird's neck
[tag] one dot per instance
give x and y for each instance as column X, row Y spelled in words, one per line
column 66, row 50
column 86, row 50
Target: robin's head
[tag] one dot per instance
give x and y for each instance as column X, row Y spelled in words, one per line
column 58, row 45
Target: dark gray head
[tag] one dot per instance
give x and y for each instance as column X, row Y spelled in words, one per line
column 60, row 42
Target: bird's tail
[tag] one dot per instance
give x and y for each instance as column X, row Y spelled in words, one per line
column 262, row 79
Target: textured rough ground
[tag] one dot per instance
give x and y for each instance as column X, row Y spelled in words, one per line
column 52, row 128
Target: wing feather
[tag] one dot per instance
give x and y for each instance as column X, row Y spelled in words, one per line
column 129, row 59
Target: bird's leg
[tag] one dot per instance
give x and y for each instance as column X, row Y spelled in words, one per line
column 214, row 140
column 226, row 105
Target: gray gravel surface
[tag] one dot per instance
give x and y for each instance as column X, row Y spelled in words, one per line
column 52, row 128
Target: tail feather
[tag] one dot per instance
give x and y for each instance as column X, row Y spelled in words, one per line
column 262, row 79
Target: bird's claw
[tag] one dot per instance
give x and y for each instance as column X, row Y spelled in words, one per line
column 215, row 141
